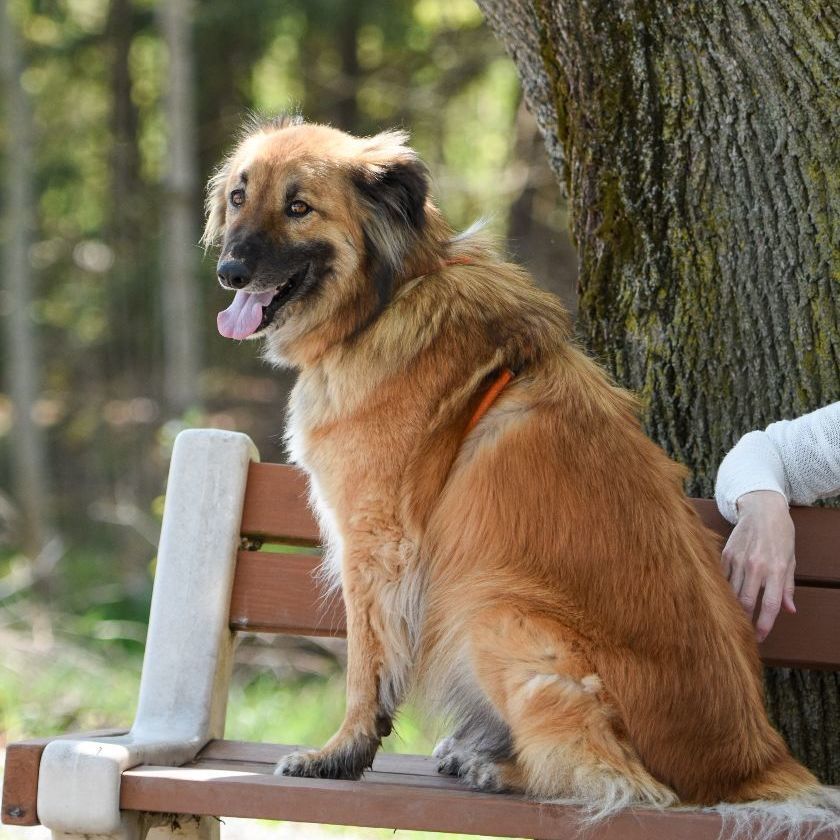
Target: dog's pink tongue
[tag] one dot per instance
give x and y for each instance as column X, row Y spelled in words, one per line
column 243, row 317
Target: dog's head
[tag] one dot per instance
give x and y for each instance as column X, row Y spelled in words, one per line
column 315, row 229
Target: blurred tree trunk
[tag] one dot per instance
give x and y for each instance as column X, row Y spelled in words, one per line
column 179, row 288
column 127, row 361
column 536, row 239
column 346, row 106
column 332, row 97
column 28, row 455
column 698, row 146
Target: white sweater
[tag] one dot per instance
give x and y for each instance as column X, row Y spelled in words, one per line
column 798, row 458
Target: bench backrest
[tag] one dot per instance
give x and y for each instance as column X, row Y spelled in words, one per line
column 278, row 592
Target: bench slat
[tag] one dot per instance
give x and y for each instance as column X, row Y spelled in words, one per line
column 393, row 795
column 817, row 540
column 276, row 509
column 276, row 506
column 278, row 593
column 268, row 755
column 808, row 639
column 20, row 782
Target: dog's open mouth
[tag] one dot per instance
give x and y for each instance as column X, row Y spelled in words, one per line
column 281, row 295
column 252, row 312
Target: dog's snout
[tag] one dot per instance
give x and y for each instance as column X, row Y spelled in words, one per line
column 233, row 274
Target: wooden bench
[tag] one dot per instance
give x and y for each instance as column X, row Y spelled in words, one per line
column 174, row 759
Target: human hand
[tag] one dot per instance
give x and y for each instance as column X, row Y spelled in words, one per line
column 760, row 553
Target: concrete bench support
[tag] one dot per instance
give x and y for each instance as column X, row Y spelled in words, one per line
column 154, row 827
column 186, row 670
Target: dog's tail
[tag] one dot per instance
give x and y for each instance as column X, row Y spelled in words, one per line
column 784, row 801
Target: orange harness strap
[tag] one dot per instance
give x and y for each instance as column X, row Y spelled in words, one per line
column 462, row 260
column 490, row 396
column 502, row 380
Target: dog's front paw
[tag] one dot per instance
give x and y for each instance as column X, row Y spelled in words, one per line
column 303, row 763
column 342, row 763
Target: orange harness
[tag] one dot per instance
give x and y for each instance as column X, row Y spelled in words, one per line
column 490, row 396
column 499, row 383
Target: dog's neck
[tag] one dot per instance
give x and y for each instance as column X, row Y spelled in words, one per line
column 429, row 251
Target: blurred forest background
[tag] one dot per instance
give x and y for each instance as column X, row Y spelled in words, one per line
column 114, row 113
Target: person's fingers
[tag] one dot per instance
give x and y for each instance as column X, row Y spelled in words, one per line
column 770, row 605
column 736, row 576
column 726, row 561
column 787, row 593
column 754, row 574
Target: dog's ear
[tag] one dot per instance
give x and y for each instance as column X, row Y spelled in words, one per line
column 215, row 205
column 393, row 184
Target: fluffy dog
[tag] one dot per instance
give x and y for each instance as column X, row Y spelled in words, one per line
column 539, row 578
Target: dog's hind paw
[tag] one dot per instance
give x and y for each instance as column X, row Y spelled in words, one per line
column 482, row 773
column 445, row 746
column 450, row 756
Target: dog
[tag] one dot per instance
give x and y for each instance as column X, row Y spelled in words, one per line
column 507, row 540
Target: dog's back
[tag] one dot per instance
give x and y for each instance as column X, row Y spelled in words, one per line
column 559, row 502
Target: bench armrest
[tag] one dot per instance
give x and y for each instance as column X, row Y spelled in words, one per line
column 187, row 664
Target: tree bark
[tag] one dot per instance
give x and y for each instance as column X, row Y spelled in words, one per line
column 28, row 453
column 179, row 286
column 698, row 146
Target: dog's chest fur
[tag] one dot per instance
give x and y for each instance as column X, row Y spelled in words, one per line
column 354, row 488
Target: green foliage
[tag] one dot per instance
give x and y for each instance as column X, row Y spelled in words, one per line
column 307, row 712
column 49, row 683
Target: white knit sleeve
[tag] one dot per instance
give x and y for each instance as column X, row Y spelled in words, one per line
column 798, row 458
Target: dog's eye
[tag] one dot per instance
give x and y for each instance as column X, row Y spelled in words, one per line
column 237, row 197
column 298, row 208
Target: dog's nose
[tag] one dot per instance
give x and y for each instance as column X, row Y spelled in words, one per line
column 233, row 274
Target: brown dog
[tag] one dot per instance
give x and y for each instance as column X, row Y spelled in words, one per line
column 540, row 578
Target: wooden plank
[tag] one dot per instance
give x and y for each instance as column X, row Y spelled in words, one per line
column 269, row 754
column 276, row 506
column 276, row 509
column 817, row 540
column 279, row 593
column 20, row 782
column 20, row 777
column 811, row 637
column 398, row 779
column 410, row 803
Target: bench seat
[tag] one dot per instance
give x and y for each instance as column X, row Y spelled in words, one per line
column 235, row 779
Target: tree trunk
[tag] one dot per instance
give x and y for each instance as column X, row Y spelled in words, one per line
column 127, row 363
column 179, row 288
column 535, row 240
column 346, row 105
column 698, row 145
column 28, row 454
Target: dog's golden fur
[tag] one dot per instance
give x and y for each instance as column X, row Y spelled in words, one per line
column 542, row 580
